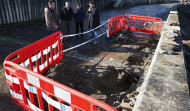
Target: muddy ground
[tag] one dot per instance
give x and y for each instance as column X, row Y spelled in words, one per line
column 113, row 84
column 111, row 57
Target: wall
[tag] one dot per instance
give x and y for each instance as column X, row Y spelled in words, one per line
column 14, row 11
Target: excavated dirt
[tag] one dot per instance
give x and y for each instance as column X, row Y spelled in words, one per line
column 110, row 84
column 106, row 86
column 15, row 39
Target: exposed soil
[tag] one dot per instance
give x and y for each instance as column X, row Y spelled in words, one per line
column 16, row 36
column 109, row 84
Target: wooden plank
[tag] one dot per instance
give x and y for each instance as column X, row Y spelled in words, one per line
column 12, row 2
column 42, row 8
column 17, row 10
column 20, row 11
column 26, row 10
column 6, row 11
column 1, row 21
column 29, row 10
column 32, row 10
column 3, row 12
column 39, row 9
column 35, row 9
column 45, row 5
column 10, row 11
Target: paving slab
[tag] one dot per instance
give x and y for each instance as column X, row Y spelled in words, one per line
column 165, row 87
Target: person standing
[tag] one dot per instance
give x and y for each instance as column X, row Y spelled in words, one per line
column 52, row 21
column 93, row 20
column 66, row 15
column 79, row 18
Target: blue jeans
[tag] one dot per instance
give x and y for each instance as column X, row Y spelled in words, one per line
column 94, row 34
column 52, row 32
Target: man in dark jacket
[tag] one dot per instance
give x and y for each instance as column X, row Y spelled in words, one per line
column 66, row 15
column 79, row 18
column 52, row 21
column 93, row 20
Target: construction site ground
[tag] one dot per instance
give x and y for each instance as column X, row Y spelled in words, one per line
column 112, row 71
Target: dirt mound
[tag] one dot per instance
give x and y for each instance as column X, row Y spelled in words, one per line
column 123, row 37
column 113, row 81
column 71, row 76
column 110, row 86
column 135, row 60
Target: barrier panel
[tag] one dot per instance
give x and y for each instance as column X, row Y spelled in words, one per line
column 136, row 23
column 116, row 24
column 152, row 25
column 30, row 90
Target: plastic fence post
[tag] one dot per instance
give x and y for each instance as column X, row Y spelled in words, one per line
column 49, row 105
column 23, row 91
column 40, row 100
column 30, row 62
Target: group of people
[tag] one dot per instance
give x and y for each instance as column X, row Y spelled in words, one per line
column 53, row 22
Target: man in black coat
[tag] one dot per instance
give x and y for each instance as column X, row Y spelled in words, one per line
column 79, row 18
column 93, row 20
column 66, row 15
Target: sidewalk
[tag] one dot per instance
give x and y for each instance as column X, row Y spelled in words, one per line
column 165, row 87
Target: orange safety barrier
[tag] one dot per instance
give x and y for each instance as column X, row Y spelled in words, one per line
column 116, row 24
column 152, row 25
column 23, row 71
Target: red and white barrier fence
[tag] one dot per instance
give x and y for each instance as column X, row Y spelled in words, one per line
column 24, row 69
column 152, row 25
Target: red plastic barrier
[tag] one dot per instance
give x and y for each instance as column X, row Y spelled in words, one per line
column 144, row 24
column 136, row 23
column 116, row 24
column 23, row 70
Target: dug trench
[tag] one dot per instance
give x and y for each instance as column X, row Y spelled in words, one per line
column 115, row 85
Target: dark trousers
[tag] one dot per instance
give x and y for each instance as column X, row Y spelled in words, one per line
column 52, row 32
column 79, row 24
column 66, row 27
